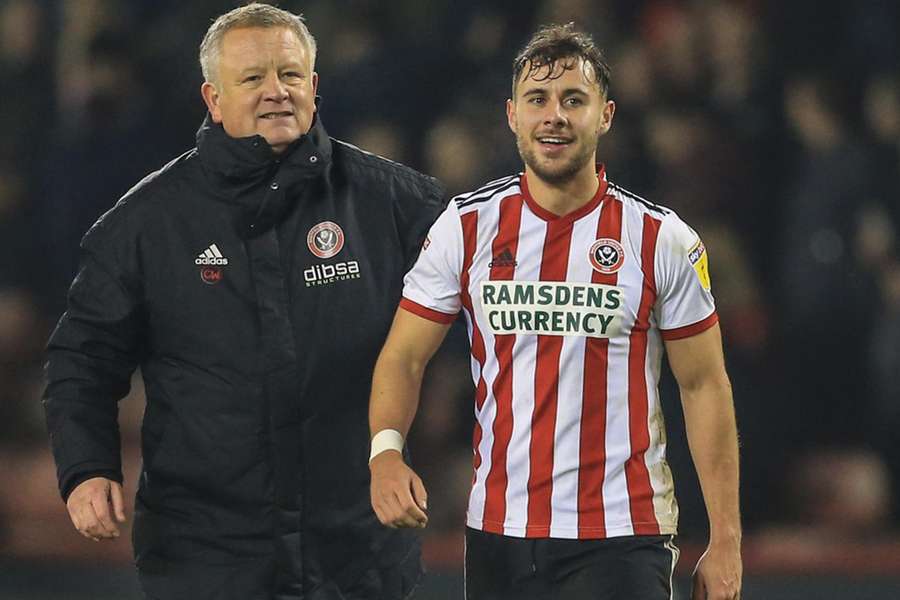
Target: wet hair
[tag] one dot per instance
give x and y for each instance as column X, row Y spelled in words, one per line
column 254, row 14
column 562, row 45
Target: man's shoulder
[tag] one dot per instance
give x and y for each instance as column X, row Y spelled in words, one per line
column 146, row 196
column 637, row 203
column 371, row 168
column 488, row 194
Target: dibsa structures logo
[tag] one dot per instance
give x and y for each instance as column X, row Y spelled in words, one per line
column 325, row 240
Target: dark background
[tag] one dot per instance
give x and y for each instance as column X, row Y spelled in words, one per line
column 773, row 128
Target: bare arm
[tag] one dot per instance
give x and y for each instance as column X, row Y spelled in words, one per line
column 699, row 368
column 398, row 495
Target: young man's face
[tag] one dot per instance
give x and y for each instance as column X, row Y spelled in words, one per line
column 265, row 85
column 558, row 119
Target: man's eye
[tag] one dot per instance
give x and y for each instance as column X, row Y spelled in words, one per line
column 536, row 100
column 293, row 75
column 251, row 78
column 574, row 101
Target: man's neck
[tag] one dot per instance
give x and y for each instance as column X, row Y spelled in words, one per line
column 567, row 196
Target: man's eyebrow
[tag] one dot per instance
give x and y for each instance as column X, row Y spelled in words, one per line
column 565, row 92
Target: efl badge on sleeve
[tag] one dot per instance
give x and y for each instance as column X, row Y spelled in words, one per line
column 700, row 262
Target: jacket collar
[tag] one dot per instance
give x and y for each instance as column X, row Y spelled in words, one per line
column 236, row 165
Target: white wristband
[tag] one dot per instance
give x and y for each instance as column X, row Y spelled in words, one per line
column 386, row 439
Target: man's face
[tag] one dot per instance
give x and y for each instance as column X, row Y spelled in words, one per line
column 265, row 85
column 558, row 120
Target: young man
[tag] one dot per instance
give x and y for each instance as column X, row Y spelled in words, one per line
column 253, row 279
column 571, row 288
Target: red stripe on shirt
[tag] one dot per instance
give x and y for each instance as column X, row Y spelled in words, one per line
column 592, row 469
column 640, row 490
column 507, row 238
column 554, row 264
column 690, row 330
column 425, row 312
column 470, row 241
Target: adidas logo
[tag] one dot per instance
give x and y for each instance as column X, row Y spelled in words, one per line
column 504, row 259
column 211, row 256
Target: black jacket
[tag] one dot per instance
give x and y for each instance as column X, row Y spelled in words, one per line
column 214, row 276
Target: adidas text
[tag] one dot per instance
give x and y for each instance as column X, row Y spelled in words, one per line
column 206, row 260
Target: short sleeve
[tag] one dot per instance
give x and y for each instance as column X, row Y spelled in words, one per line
column 431, row 289
column 685, row 304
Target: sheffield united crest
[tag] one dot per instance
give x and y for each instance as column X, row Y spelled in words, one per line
column 607, row 255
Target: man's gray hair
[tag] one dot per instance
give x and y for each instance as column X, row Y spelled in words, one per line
column 254, row 14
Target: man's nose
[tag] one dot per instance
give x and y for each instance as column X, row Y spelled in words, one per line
column 274, row 89
column 554, row 115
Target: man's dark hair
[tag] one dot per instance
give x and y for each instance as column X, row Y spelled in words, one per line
column 563, row 45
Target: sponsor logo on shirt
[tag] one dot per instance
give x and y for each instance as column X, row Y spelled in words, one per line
column 325, row 239
column 700, row 261
column 318, row 275
column 607, row 255
column 552, row 308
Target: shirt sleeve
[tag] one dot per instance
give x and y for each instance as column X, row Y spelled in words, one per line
column 431, row 289
column 685, row 306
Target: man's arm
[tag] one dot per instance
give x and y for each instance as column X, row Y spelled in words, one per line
column 699, row 368
column 90, row 358
column 398, row 495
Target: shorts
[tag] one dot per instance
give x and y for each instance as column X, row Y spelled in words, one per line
column 507, row 568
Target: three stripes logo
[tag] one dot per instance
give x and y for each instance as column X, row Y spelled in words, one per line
column 211, row 262
column 504, row 259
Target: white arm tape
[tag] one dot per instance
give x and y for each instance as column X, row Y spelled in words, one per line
column 386, row 439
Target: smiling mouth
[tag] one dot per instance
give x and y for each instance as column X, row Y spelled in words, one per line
column 276, row 115
column 554, row 140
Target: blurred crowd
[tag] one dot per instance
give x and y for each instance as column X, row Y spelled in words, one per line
column 772, row 127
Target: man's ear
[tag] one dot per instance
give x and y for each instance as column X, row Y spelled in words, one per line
column 511, row 115
column 609, row 110
column 315, row 86
column 211, row 98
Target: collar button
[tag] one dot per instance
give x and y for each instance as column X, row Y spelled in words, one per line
column 313, row 159
column 274, row 185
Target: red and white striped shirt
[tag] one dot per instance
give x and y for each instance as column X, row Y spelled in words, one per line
column 566, row 317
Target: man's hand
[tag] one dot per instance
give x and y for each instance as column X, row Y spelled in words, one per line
column 93, row 505
column 398, row 495
column 718, row 573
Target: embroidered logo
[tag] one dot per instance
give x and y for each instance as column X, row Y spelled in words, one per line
column 211, row 262
column 700, row 261
column 504, row 259
column 607, row 255
column 325, row 239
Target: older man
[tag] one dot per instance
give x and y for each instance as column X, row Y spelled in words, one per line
column 253, row 280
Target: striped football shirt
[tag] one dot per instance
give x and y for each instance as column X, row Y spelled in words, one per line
column 566, row 316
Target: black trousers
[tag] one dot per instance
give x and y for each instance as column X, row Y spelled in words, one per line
column 624, row 568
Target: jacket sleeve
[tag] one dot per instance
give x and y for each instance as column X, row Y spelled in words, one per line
column 91, row 356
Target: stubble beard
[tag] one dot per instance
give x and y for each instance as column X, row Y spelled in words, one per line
column 556, row 172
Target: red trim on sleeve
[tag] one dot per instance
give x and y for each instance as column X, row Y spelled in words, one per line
column 690, row 330
column 426, row 313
